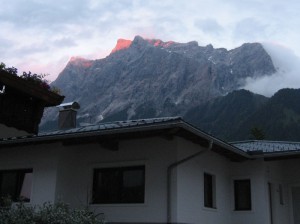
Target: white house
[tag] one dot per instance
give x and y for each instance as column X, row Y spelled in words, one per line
column 160, row 170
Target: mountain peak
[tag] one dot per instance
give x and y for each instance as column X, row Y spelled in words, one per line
column 160, row 43
column 121, row 44
column 79, row 61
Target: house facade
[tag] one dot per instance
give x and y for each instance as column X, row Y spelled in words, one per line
column 155, row 171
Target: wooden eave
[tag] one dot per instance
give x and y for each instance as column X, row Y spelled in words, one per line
column 47, row 97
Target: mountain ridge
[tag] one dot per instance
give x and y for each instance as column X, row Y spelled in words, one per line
column 156, row 78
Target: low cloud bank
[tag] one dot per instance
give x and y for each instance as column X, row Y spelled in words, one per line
column 287, row 65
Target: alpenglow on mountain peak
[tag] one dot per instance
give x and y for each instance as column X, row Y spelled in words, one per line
column 140, row 41
column 152, row 78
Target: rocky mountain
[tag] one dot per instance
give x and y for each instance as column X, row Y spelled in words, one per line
column 151, row 78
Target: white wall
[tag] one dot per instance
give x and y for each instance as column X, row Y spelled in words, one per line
column 65, row 173
column 274, row 171
column 76, row 170
column 43, row 160
column 7, row 132
column 253, row 170
column 291, row 178
column 190, row 187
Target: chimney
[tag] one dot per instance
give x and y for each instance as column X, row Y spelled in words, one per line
column 67, row 115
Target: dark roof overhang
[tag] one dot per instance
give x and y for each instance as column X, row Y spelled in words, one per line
column 22, row 102
column 22, row 86
column 167, row 129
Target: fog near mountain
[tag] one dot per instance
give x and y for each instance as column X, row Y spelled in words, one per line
column 287, row 75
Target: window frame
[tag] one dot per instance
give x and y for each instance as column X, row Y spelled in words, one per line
column 122, row 169
column 18, row 183
column 236, row 200
column 280, row 192
column 210, row 200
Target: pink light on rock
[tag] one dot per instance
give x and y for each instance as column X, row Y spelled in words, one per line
column 81, row 62
column 121, row 44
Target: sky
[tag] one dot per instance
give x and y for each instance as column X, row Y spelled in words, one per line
column 42, row 35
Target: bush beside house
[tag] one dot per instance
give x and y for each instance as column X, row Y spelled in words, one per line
column 59, row 213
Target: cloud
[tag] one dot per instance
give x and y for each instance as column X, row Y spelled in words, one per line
column 287, row 65
column 209, row 26
column 250, row 29
column 65, row 42
column 4, row 45
column 65, row 28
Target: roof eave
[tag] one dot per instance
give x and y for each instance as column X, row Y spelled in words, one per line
column 47, row 97
column 232, row 152
column 278, row 155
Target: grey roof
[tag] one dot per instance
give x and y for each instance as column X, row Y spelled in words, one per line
column 95, row 129
column 166, row 126
column 113, row 125
column 235, row 150
column 266, row 147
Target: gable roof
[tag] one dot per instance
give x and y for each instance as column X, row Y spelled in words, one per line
column 269, row 149
column 112, row 132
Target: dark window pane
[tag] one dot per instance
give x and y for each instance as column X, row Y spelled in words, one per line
column 9, row 184
column 209, row 190
column 119, row 185
column 16, row 184
column 242, row 194
column 280, row 194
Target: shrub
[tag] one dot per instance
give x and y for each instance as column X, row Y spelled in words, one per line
column 35, row 79
column 59, row 213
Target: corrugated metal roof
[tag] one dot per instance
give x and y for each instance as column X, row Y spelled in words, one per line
column 265, row 147
column 112, row 125
column 133, row 128
column 245, row 149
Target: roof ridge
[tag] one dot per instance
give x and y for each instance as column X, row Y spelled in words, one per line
column 142, row 119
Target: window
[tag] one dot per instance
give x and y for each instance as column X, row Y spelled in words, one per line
column 280, row 195
column 242, row 195
column 16, row 184
column 121, row 185
column 209, row 190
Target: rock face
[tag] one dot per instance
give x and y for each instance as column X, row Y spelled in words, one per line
column 151, row 78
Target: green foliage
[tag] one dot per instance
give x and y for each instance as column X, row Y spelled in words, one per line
column 10, row 70
column 36, row 79
column 56, row 90
column 6, row 201
column 30, row 77
column 257, row 133
column 59, row 213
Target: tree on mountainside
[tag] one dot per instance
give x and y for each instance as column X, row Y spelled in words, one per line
column 257, row 133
